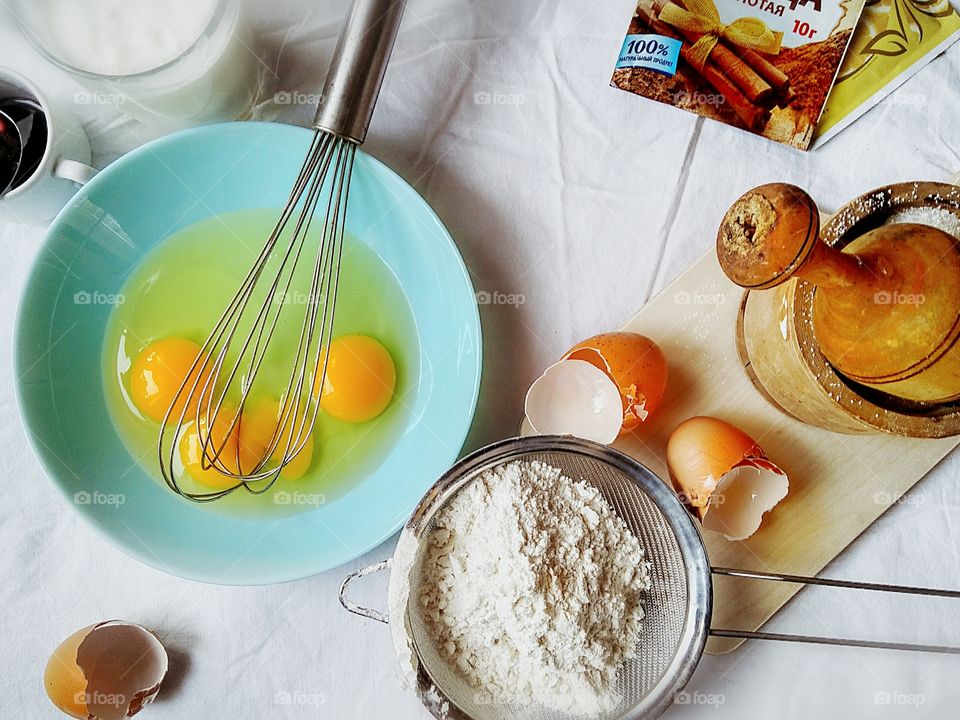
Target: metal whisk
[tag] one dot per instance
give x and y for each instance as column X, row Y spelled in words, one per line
column 233, row 354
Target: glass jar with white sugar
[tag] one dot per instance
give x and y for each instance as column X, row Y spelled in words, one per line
column 171, row 64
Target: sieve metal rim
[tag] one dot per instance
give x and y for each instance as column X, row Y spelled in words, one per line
column 698, row 575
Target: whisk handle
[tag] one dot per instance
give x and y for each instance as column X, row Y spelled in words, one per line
column 356, row 71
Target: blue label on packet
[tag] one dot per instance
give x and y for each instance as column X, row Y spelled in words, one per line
column 654, row 52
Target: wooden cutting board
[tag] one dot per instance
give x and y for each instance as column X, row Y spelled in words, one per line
column 839, row 484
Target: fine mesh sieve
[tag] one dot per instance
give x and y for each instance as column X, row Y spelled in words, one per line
column 678, row 604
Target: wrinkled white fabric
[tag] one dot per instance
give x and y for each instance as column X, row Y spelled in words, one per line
column 582, row 200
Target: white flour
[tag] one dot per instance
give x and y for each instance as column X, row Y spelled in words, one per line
column 533, row 589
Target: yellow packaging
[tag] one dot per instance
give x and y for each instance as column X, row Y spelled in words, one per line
column 893, row 40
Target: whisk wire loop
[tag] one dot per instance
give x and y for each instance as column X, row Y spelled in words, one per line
column 212, row 401
column 216, row 394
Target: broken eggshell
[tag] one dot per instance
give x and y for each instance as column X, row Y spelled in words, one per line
column 602, row 387
column 107, row 671
column 724, row 476
column 574, row 397
column 637, row 366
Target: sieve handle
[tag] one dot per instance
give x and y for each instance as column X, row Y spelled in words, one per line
column 827, row 582
column 357, row 609
column 844, row 642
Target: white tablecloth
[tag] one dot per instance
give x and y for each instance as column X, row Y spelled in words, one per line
column 584, row 200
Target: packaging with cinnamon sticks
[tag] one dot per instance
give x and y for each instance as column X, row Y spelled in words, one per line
column 766, row 66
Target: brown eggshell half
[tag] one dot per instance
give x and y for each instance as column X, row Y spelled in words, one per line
column 635, row 363
column 723, row 476
column 107, row 671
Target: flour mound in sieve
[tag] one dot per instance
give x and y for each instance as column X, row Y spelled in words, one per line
column 533, row 589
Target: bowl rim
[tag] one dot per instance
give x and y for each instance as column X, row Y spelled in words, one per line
column 89, row 519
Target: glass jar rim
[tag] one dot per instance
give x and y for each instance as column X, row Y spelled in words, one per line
column 219, row 13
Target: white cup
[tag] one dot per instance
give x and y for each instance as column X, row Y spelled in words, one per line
column 65, row 165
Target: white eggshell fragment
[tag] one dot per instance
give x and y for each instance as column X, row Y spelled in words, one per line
column 574, row 397
column 742, row 496
column 108, row 671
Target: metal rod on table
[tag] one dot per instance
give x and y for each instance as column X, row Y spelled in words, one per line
column 746, row 635
column 827, row 582
column 846, row 584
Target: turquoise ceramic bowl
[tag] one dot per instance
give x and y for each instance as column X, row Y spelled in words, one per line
column 101, row 236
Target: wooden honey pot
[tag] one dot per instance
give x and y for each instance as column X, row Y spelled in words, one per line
column 856, row 326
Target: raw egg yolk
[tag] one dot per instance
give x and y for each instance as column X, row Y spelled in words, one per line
column 192, row 451
column 158, row 372
column 257, row 428
column 360, row 379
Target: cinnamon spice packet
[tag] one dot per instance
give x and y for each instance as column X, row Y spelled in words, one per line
column 766, row 66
